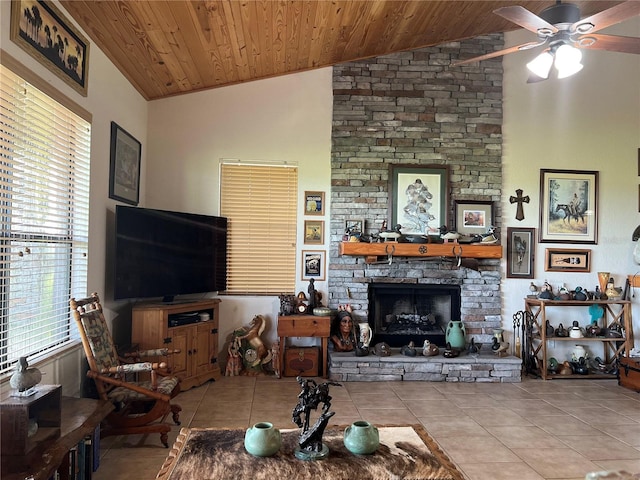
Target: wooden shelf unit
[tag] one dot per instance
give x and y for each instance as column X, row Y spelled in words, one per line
column 161, row 325
column 616, row 312
column 371, row 251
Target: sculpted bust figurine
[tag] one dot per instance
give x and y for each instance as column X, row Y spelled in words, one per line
column 343, row 335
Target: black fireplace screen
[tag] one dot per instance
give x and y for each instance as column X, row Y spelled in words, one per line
column 400, row 313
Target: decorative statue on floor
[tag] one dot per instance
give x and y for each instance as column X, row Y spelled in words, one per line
column 234, row 361
column 254, row 352
column 310, row 397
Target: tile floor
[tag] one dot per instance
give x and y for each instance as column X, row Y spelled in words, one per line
column 557, row 429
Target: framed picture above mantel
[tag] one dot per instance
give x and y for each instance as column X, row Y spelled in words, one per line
column 418, row 197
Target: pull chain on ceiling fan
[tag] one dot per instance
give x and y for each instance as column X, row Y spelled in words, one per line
column 560, row 28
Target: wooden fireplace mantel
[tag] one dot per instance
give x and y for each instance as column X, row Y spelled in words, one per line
column 371, row 251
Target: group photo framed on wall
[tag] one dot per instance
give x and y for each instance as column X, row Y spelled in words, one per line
column 473, row 217
column 313, row 265
column 568, row 206
column 418, row 198
column 54, row 34
column 521, row 247
column 567, row 260
column 124, row 171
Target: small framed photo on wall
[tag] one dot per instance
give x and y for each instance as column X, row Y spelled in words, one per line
column 567, row 260
column 520, row 252
column 314, row 232
column 313, row 265
column 354, row 226
column 314, row 203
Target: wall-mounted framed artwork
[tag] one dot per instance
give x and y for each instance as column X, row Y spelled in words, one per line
column 313, row 265
column 567, row 260
column 41, row 30
column 354, row 226
column 314, row 232
column 124, row 171
column 314, row 203
column 473, row 217
column 568, row 206
column 418, row 197
column 521, row 247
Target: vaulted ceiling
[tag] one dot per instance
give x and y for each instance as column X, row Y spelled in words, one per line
column 171, row 47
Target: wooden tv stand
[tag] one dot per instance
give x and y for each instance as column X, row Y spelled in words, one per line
column 178, row 326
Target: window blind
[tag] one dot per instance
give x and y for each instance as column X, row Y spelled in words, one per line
column 44, row 209
column 260, row 202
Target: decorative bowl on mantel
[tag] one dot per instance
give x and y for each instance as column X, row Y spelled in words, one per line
column 321, row 311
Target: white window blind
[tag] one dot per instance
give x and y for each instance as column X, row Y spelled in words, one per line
column 260, row 202
column 44, row 208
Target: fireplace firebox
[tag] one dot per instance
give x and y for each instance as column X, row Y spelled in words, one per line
column 400, row 313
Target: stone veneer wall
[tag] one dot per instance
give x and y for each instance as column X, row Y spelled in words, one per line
column 412, row 108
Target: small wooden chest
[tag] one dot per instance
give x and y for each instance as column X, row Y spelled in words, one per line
column 302, row 361
column 629, row 373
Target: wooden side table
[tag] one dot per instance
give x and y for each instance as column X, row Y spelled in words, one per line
column 305, row 326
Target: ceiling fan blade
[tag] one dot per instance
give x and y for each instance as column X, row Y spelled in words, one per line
column 611, row 43
column 607, row 17
column 498, row 53
column 523, row 17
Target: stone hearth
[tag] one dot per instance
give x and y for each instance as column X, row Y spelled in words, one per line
column 482, row 368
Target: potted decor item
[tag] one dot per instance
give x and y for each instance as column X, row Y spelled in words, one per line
column 262, row 440
column 454, row 335
column 361, row 438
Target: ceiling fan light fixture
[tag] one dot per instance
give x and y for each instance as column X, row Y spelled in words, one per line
column 541, row 65
column 568, row 60
column 567, row 71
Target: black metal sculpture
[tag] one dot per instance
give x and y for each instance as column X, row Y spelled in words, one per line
column 310, row 446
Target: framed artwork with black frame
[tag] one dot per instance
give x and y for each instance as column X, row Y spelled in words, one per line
column 521, row 247
column 418, row 197
column 568, row 206
column 473, row 217
column 313, row 265
column 567, row 260
column 41, row 30
column 124, row 171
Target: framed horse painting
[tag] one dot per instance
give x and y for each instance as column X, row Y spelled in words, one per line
column 568, row 206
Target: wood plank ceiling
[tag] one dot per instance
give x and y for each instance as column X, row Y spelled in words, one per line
column 171, row 47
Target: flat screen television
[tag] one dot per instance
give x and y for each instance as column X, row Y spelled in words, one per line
column 160, row 253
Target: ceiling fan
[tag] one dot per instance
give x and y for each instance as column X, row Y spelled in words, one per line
column 560, row 29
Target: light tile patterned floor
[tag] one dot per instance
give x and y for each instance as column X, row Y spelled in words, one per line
column 558, row 429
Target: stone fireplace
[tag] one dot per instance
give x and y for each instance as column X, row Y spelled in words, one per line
column 401, row 313
column 410, row 108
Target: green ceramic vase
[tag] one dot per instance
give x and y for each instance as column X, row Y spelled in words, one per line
column 454, row 335
column 262, row 440
column 361, row 438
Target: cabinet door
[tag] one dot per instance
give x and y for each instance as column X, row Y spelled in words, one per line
column 203, row 345
column 180, row 361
